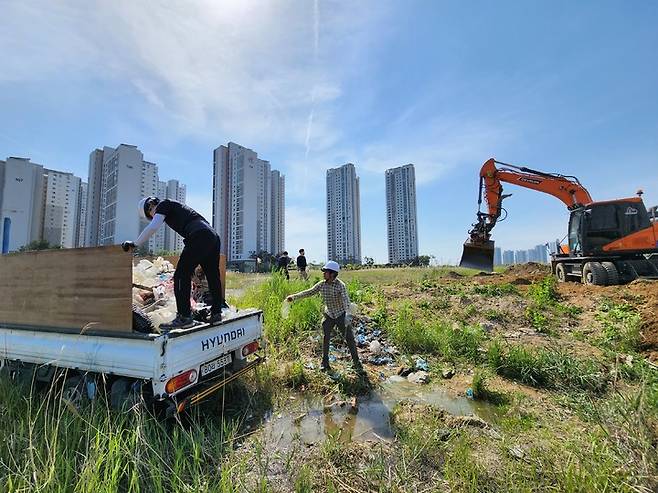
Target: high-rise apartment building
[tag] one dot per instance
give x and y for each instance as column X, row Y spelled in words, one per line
column 508, row 257
column 149, row 189
column 343, row 215
column 498, row 256
column 82, row 216
column 118, row 179
column 401, row 218
column 173, row 242
column 244, row 214
column 278, row 212
column 521, row 256
column 61, row 199
column 21, row 202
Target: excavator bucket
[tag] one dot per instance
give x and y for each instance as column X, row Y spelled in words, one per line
column 478, row 256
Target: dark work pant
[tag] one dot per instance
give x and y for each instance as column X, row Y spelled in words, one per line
column 339, row 322
column 201, row 249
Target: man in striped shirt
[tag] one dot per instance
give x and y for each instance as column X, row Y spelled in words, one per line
column 336, row 312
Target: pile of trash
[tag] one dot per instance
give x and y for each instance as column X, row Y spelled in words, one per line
column 153, row 290
column 373, row 344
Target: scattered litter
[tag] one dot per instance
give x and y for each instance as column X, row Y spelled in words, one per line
column 421, row 364
column 375, row 347
column 309, row 366
column 396, row 379
column 404, row 371
column 448, row 373
column 469, row 393
column 516, row 452
column 285, row 309
column 380, row 360
column 419, row 377
column 487, row 326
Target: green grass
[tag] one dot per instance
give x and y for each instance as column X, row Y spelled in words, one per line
column 547, row 368
column 492, row 290
column 593, row 429
column 48, row 446
column 621, row 326
column 415, row 334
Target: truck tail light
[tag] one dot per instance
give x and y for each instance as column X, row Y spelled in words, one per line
column 180, row 381
column 250, row 348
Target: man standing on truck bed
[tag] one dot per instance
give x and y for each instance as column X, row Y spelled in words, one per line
column 201, row 248
column 336, row 312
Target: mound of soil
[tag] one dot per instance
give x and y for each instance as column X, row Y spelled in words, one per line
column 530, row 269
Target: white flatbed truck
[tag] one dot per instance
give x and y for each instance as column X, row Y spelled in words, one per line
column 182, row 367
column 82, row 332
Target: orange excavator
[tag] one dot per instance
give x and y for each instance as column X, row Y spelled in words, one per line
column 609, row 242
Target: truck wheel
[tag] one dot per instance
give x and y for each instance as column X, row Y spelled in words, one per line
column 611, row 273
column 74, row 391
column 124, row 394
column 594, row 274
column 561, row 273
column 141, row 321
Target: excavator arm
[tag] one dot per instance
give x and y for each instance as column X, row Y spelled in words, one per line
column 479, row 248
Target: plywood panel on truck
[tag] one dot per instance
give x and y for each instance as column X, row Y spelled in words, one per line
column 76, row 289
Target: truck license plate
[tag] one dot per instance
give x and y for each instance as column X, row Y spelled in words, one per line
column 215, row 364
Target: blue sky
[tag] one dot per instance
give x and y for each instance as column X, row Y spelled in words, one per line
column 562, row 86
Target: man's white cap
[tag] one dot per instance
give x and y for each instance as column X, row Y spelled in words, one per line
column 331, row 265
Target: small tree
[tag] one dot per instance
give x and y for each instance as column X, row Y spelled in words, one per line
column 38, row 245
column 368, row 261
column 421, row 260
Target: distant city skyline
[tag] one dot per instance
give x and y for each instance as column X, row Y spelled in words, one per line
column 311, row 86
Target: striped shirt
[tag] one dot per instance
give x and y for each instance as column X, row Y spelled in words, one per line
column 334, row 295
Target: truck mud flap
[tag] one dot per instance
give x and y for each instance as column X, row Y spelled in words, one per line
column 209, row 390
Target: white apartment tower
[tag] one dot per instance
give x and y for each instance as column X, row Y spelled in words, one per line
column 401, row 217
column 118, row 179
column 245, row 215
column 82, row 215
column 173, row 242
column 61, row 199
column 21, row 202
column 159, row 236
column 343, row 215
column 149, row 189
column 277, row 208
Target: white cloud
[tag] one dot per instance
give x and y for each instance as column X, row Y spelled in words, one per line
column 248, row 69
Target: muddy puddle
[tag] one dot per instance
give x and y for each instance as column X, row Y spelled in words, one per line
column 310, row 420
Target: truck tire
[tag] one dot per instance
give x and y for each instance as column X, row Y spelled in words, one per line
column 594, row 274
column 124, row 394
column 141, row 321
column 612, row 273
column 74, row 391
column 561, row 273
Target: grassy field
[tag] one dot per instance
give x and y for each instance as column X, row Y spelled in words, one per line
column 572, row 404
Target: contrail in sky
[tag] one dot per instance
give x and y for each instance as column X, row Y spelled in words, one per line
column 316, row 45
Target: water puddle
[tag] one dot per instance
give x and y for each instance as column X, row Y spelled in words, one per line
column 310, row 420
